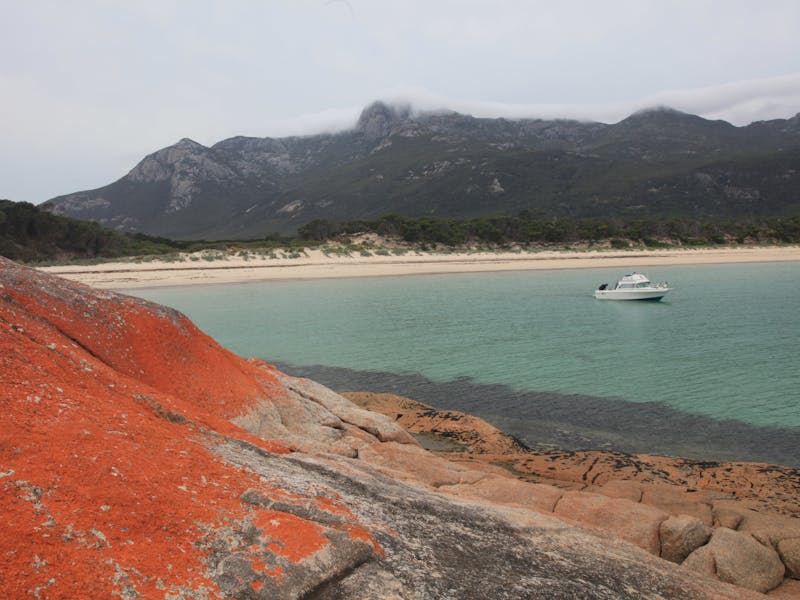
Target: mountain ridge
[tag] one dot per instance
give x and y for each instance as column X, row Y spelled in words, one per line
column 656, row 162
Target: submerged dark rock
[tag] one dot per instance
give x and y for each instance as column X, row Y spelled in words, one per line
column 547, row 420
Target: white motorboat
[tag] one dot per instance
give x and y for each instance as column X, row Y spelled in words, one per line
column 634, row 286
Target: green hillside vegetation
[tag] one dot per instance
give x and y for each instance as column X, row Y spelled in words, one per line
column 411, row 178
column 30, row 234
column 527, row 229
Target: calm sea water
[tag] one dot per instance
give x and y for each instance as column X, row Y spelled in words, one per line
column 712, row 371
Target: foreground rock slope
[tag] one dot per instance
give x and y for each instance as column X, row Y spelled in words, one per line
column 138, row 458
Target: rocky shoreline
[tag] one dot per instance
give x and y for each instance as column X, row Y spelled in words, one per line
column 551, row 421
column 462, row 437
column 694, row 509
column 138, row 458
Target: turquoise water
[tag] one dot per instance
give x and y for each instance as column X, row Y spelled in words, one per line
column 725, row 343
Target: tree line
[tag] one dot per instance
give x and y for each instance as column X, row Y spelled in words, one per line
column 28, row 233
column 527, row 228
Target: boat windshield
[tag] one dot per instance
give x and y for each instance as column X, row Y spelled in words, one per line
column 633, row 281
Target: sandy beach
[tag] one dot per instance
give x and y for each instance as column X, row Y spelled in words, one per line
column 215, row 268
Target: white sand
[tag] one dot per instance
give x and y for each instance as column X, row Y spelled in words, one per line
column 315, row 264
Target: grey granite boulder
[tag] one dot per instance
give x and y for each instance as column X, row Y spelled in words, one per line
column 381, row 426
column 682, row 535
column 738, row 558
column 789, row 550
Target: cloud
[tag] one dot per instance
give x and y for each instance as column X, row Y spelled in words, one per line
column 739, row 103
column 326, row 121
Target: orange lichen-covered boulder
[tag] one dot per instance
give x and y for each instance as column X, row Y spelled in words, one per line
column 111, row 482
column 151, row 343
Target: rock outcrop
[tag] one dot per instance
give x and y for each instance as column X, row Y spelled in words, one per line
column 138, row 458
column 683, row 511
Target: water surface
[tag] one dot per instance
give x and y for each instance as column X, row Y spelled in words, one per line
column 722, row 348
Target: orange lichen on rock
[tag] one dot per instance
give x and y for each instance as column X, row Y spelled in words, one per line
column 111, row 411
column 151, row 343
column 289, row 536
column 327, row 504
column 469, row 439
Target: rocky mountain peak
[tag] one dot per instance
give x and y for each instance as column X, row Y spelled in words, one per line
column 667, row 117
column 160, row 165
column 656, row 111
column 792, row 125
column 183, row 165
column 189, row 143
column 378, row 119
column 655, row 114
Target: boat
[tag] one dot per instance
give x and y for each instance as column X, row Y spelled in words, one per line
column 634, row 286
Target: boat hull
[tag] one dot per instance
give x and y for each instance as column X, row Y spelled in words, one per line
column 653, row 295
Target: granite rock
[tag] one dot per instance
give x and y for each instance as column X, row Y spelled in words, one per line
column 737, row 558
column 504, row 490
column 682, row 535
column 631, row 521
column 789, row 551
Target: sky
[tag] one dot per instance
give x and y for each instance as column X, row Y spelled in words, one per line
column 89, row 87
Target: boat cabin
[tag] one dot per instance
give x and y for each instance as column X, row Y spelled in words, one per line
column 633, row 281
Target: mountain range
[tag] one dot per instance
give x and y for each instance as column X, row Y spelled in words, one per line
column 655, row 163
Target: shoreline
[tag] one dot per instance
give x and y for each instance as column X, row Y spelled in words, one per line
column 213, row 268
column 465, row 438
column 577, row 422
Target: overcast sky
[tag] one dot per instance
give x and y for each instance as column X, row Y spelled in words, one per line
column 87, row 88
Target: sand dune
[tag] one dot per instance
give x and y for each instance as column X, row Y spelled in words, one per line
column 314, row 264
